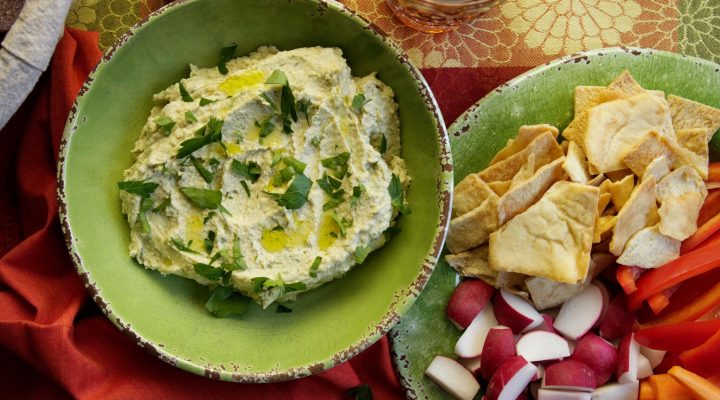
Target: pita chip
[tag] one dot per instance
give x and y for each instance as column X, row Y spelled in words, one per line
column 603, row 201
column 525, row 173
column 575, row 164
column 687, row 114
column 622, row 190
column 576, row 129
column 657, row 169
column 645, row 152
column 552, row 238
column 648, row 248
column 694, row 141
column 472, row 263
column 618, row 175
column 603, row 228
column 472, row 229
column 545, row 148
column 526, row 134
column 500, row 187
column 597, row 180
column 681, row 194
column 524, row 194
column 626, row 84
column 638, row 212
column 469, row 194
column 547, row 293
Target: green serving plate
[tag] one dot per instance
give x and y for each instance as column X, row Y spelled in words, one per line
column 166, row 315
column 542, row 95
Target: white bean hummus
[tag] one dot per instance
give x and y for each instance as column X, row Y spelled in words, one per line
column 272, row 178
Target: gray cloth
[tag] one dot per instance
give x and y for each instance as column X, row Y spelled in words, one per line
column 26, row 51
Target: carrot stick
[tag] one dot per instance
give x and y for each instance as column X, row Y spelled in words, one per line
column 646, row 391
column 710, row 208
column 714, row 172
column 696, row 384
column 705, row 231
column 659, row 301
column 667, row 388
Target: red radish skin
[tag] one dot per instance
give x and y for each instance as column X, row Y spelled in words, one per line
column 569, row 375
column 617, row 391
column 542, row 346
column 453, row 377
column 510, row 380
column 472, row 340
column 579, row 314
column 514, row 312
column 628, row 352
column 547, row 394
column 499, row 347
column 546, row 325
column 467, row 300
column 606, row 301
column 618, row 321
column 598, row 354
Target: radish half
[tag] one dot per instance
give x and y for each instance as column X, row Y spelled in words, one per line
column 598, row 354
column 467, row 300
column 579, row 314
column 628, row 352
column 499, row 347
column 541, row 346
column 569, row 375
column 453, row 377
column 654, row 356
column 511, row 379
column 516, row 313
column 472, row 340
column 547, row 394
column 617, row 391
column 644, row 369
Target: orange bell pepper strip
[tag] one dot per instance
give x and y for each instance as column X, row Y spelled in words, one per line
column 667, row 388
column 693, row 310
column 677, row 337
column 687, row 266
column 697, row 385
column 705, row 231
column 714, row 172
column 703, row 359
column 710, row 208
column 659, row 301
column 626, row 277
column 646, row 391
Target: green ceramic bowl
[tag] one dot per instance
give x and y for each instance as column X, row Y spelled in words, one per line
column 166, row 315
column 542, row 95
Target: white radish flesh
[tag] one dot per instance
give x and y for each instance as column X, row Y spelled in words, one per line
column 654, row 356
column 579, row 314
column 628, row 352
column 511, row 379
column 541, row 346
column 547, row 394
column 453, row 377
column 467, row 300
column 472, row 340
column 643, row 367
column 617, row 391
column 516, row 313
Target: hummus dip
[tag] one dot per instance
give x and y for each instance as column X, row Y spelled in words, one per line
column 272, row 178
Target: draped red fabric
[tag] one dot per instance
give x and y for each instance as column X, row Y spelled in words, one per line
column 54, row 341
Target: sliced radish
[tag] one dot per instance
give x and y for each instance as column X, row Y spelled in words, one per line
column 569, row 375
column 618, row 321
column 547, row 394
column 606, row 301
column 541, row 346
column 628, row 352
column 617, row 391
column 643, row 367
column 540, row 372
column 472, row 340
column 598, row 354
column 471, row 364
column 578, row 315
column 453, row 377
column 516, row 313
column 546, row 325
column 467, row 300
column 499, row 347
column 511, row 379
column 654, row 356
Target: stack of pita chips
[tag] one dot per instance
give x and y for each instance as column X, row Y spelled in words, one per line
column 626, row 186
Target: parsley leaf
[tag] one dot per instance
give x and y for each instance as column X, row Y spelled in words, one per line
column 245, row 187
column 145, row 206
column 293, row 287
column 343, row 223
column 162, row 206
column 166, row 124
column 383, row 144
column 298, row 165
column 296, row 194
column 283, row 176
column 397, row 195
column 338, row 164
column 204, row 172
column 331, row 186
column 224, row 302
column 184, row 93
column 140, row 188
column 210, row 241
column 209, row 272
column 208, row 216
column 211, row 133
column 361, row 252
column 277, row 157
column 266, row 127
column 190, row 117
column 357, row 192
column 362, row 392
column 203, row 198
column 288, row 110
column 302, row 107
column 226, row 54
column 270, row 101
column 250, row 170
column 277, row 78
column 204, row 101
column 238, row 261
column 335, row 200
column 359, row 101
column 315, row 141
column 314, row 267
column 259, row 284
column 281, row 309
column 183, row 247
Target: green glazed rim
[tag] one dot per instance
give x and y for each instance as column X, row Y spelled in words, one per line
column 401, row 303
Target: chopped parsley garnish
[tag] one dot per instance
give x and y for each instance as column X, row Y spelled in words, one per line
column 359, row 101
column 277, row 78
column 182, row 246
column 238, row 261
column 166, row 124
column 281, row 309
column 184, row 93
column 288, row 110
column 383, row 144
column 331, row 186
column 357, row 192
column 277, row 157
column 210, row 241
column 278, row 228
column 250, row 170
column 298, row 165
column 226, row 54
column 397, row 195
column 262, row 283
column 203, row 198
column 209, row 272
column 296, row 194
column 204, row 101
column 190, row 117
column 163, row 205
column 314, row 267
column 361, row 252
column 215, row 257
column 266, row 127
column 338, row 164
column 206, row 174
column 362, row 392
column 210, row 133
column 224, row 302
column 284, row 176
column 208, row 216
column 145, row 206
column 343, row 223
column 302, row 107
column 258, row 284
column 335, row 200
column 270, row 101
column 245, row 187
column 315, row 141
column 140, row 188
